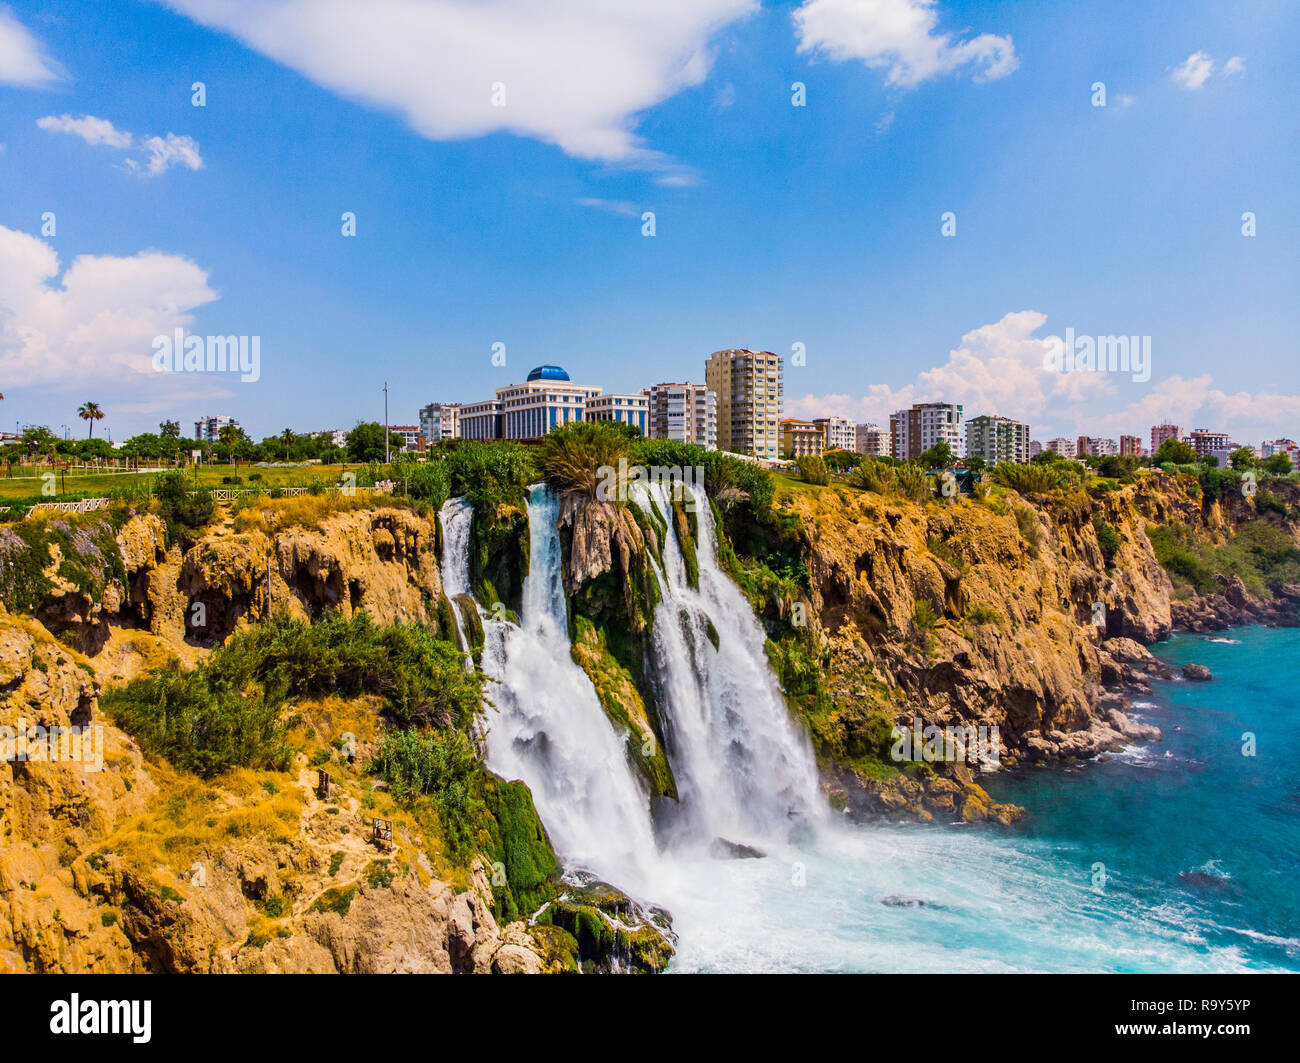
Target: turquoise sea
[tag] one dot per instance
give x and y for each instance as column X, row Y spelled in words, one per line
column 1178, row 855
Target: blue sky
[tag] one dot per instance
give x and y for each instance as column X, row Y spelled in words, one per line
column 774, row 224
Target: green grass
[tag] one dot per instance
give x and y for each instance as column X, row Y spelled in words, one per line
column 26, row 480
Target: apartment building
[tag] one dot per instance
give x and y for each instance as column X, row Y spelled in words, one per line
column 914, row 431
column 1035, row 448
column 1062, row 446
column 1205, row 442
column 1130, row 446
column 1096, row 446
column 440, row 420
column 748, row 388
column 871, row 440
column 800, row 438
column 685, row 412
column 412, row 437
column 208, row 429
column 837, row 433
column 1161, row 432
column 997, row 439
column 626, row 409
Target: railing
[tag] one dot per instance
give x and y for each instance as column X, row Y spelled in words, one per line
column 84, row 505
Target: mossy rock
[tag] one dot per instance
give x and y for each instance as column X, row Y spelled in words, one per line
column 499, row 552
column 557, row 947
column 686, row 533
column 472, row 623
column 511, row 833
column 612, row 931
column 622, row 701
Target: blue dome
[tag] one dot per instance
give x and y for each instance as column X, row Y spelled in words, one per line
column 548, row 372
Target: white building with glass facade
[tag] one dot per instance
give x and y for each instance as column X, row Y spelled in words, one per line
column 626, row 409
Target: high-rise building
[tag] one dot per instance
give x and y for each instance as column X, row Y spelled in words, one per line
column 1035, row 448
column 685, row 412
column 1130, row 446
column 626, row 409
column 997, row 439
column 871, row 440
column 800, row 438
column 1062, row 446
column 748, row 386
column 837, row 433
column 440, row 420
column 914, row 431
column 1161, row 432
column 1204, row 442
column 208, row 429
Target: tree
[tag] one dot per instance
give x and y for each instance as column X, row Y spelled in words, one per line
column 1278, row 464
column 939, row 456
column 365, row 443
column 1174, row 452
column 169, row 429
column 90, row 413
column 287, row 437
column 1242, row 458
column 976, row 464
column 229, row 438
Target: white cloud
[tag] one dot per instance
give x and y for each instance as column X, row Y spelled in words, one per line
column 23, row 61
column 1194, row 71
column 95, row 324
column 576, row 73
column 162, row 152
column 884, row 123
column 998, row 368
column 1235, row 65
column 165, row 153
column 899, row 36
column 610, row 206
column 92, row 130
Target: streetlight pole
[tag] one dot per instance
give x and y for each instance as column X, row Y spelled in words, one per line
column 385, row 422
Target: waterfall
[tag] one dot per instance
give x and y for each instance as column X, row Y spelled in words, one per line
column 457, row 519
column 744, row 771
column 550, row 730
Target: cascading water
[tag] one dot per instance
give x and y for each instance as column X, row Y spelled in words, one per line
column 744, row 771
column 457, row 519
column 550, row 730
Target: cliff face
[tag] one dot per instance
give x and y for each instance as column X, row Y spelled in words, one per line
column 123, row 866
column 1009, row 613
column 382, row 561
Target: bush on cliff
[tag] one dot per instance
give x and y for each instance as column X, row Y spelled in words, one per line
column 579, row 456
column 199, row 724
column 421, row 678
column 186, row 511
column 438, row 765
column 813, row 469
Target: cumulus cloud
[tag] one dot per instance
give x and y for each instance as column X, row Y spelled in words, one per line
column 1193, row 72
column 998, row 369
column 573, row 73
column 161, row 153
column 1235, row 65
column 94, row 131
column 95, row 324
column 900, row 37
column 23, row 61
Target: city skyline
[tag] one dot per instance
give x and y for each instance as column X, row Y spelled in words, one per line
column 814, row 231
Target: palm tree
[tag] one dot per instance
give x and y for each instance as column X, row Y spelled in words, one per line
column 287, row 437
column 90, row 413
column 228, row 435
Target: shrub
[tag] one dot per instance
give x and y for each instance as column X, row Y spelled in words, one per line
column 185, row 511
column 197, row 725
column 571, row 458
column 1107, row 539
column 437, row 765
column 813, row 469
